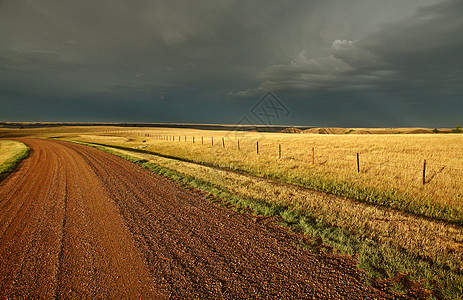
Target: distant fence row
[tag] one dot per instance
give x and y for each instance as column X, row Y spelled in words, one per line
column 355, row 159
column 360, row 162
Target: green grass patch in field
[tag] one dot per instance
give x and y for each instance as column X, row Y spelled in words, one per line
column 11, row 154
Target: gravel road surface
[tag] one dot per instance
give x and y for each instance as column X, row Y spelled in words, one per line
column 76, row 222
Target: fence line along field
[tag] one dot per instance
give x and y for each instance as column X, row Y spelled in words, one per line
column 385, row 242
column 391, row 166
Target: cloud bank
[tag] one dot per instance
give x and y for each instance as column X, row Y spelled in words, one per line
column 349, row 62
column 421, row 52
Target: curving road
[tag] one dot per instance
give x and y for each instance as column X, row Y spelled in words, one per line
column 76, row 222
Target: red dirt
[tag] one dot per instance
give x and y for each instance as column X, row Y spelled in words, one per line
column 76, row 222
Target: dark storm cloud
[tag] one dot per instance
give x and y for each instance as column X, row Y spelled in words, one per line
column 91, row 60
column 419, row 52
column 137, row 43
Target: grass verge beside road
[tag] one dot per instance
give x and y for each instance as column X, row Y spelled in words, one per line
column 11, row 154
column 416, row 256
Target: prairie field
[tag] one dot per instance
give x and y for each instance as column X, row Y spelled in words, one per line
column 387, row 242
column 389, row 170
column 391, row 164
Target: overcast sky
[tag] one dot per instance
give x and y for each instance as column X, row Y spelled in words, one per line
column 330, row 63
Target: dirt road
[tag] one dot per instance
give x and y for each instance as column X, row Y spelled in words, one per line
column 76, row 222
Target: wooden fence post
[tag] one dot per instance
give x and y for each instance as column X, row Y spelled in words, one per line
column 257, row 147
column 193, row 140
column 202, row 140
column 212, row 141
column 313, row 155
column 185, row 138
column 279, row 151
column 223, row 143
column 424, row 172
column 358, row 163
column 238, row 144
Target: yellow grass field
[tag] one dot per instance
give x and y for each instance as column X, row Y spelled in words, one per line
column 417, row 235
column 387, row 162
column 391, row 165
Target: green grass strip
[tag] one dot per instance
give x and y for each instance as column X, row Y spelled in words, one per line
column 10, row 164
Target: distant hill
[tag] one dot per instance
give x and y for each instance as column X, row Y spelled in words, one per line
column 291, row 130
column 337, row 130
column 231, row 127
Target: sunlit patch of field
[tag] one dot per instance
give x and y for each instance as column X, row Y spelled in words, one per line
column 11, row 152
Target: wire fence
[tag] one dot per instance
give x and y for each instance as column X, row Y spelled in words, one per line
column 426, row 170
column 360, row 162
